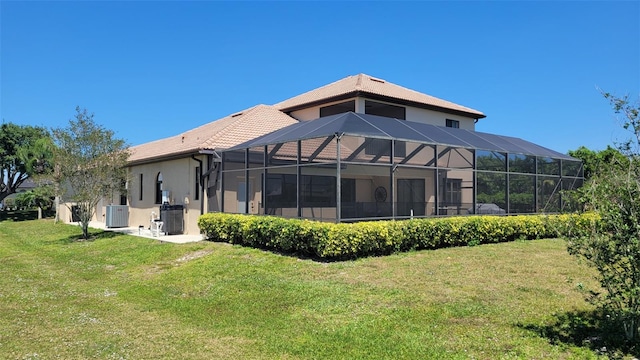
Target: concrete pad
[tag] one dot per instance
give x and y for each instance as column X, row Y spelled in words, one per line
column 146, row 233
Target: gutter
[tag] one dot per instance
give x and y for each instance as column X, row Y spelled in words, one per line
column 170, row 156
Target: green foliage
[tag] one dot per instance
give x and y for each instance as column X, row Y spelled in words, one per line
column 40, row 197
column 599, row 161
column 89, row 164
column 371, row 238
column 612, row 247
column 23, row 154
column 630, row 111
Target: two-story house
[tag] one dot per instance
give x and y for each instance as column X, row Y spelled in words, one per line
column 358, row 148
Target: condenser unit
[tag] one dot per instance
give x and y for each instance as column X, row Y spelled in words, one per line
column 117, row 216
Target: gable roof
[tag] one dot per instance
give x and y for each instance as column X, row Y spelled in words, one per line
column 216, row 135
column 379, row 127
column 374, row 88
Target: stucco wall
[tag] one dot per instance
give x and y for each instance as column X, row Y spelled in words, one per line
column 64, row 209
column 437, row 118
column 178, row 177
column 413, row 114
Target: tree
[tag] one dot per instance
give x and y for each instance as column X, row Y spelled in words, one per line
column 41, row 197
column 89, row 164
column 599, row 161
column 613, row 245
column 23, row 154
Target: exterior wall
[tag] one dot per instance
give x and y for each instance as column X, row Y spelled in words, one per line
column 178, row 177
column 437, row 118
column 64, row 207
column 413, row 114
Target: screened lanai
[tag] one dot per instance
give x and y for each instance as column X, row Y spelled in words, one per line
column 350, row 167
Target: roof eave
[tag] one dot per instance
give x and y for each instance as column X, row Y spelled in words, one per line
column 172, row 156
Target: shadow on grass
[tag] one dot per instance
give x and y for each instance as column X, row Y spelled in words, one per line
column 93, row 236
column 591, row 329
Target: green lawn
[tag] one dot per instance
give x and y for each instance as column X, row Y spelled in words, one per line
column 123, row 297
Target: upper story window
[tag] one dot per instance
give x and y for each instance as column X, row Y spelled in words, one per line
column 386, row 110
column 381, row 147
column 338, row 108
column 453, row 123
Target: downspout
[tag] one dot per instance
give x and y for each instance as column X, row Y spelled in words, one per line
column 205, row 177
column 201, row 184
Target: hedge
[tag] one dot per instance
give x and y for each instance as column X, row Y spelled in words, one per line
column 369, row 238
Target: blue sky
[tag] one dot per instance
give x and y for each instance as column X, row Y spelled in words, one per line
column 150, row 70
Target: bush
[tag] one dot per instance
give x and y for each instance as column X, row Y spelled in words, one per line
column 371, row 238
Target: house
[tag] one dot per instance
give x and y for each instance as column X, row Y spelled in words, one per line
column 10, row 201
column 358, row 148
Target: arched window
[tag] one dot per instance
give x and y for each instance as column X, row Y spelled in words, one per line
column 159, row 188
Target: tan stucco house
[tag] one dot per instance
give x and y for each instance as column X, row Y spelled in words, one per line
column 358, row 148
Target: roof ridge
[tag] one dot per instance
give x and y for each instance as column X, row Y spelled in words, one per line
column 344, row 79
column 359, row 81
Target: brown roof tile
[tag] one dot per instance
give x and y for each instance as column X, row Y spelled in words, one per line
column 367, row 84
column 219, row 134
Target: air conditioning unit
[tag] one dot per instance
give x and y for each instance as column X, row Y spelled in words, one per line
column 117, row 216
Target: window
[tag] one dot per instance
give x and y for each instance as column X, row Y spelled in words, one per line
column 386, row 110
column 318, row 191
column 338, row 108
column 159, row 189
column 196, row 195
column 140, row 198
column 381, row 147
column 281, row 191
column 378, row 147
column 123, row 192
column 452, row 192
column 453, row 123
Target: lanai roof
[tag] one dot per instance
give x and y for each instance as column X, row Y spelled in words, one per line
column 373, row 126
column 363, row 84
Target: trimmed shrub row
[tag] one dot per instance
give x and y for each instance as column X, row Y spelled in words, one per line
column 367, row 238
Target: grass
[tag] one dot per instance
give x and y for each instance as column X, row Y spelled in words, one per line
column 124, row 297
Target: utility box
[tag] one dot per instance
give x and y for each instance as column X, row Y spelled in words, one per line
column 117, row 216
column 173, row 218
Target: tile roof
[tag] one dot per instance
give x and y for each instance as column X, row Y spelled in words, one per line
column 366, row 84
column 216, row 135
